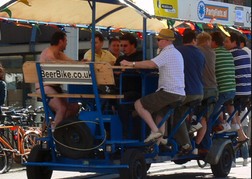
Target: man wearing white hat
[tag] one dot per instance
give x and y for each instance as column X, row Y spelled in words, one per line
column 170, row 84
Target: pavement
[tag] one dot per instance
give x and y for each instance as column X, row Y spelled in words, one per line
column 166, row 170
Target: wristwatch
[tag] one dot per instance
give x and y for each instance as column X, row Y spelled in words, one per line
column 134, row 63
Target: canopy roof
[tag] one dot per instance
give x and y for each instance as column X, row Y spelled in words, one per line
column 79, row 13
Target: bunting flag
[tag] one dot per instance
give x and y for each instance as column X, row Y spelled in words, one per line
column 210, row 25
column 170, row 23
column 8, row 11
column 223, row 30
column 199, row 27
column 37, row 27
column 25, row 2
column 191, row 25
column 23, row 25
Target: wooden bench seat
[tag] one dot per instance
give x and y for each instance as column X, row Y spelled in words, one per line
column 70, row 73
column 67, row 95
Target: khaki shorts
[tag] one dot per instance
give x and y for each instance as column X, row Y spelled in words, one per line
column 160, row 101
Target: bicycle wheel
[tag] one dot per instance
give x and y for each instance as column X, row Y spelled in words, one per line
column 3, row 159
column 6, row 158
column 29, row 141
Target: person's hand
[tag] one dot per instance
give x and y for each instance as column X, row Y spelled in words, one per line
column 125, row 63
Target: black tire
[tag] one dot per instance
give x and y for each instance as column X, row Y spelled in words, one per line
column 3, row 160
column 137, row 165
column 201, row 163
column 73, row 140
column 38, row 154
column 148, row 165
column 6, row 159
column 223, row 167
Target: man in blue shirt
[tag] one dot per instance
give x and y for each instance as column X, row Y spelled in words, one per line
column 194, row 62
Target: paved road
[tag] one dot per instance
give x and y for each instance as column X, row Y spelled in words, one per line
column 166, row 170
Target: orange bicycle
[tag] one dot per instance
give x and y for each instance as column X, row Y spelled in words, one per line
column 16, row 143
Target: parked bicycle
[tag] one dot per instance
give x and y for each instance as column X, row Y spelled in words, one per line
column 16, row 140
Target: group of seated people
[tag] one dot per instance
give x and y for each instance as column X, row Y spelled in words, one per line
column 205, row 66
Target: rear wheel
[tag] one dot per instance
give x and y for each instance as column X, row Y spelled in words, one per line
column 73, row 139
column 223, row 167
column 137, row 166
column 38, row 154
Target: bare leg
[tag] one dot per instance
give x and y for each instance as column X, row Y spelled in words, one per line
column 59, row 106
column 201, row 131
column 144, row 114
column 241, row 135
column 72, row 109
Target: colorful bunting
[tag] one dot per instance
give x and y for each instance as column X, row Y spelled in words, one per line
column 7, row 11
column 25, row 2
column 223, row 30
column 191, row 25
column 23, row 25
column 170, row 23
column 199, row 27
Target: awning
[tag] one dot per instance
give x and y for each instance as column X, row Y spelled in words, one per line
column 79, row 13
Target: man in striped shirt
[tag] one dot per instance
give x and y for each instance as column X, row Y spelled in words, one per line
column 242, row 78
column 224, row 71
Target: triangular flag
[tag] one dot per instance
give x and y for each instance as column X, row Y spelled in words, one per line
column 170, row 23
column 199, row 27
column 7, row 11
column 223, row 30
column 25, row 2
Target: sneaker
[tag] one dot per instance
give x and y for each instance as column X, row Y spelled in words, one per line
column 245, row 162
column 226, row 127
column 235, row 127
column 195, row 127
column 185, row 149
column 153, row 136
column 163, row 141
column 195, row 151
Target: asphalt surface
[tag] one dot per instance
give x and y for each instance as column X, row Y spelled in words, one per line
column 167, row 170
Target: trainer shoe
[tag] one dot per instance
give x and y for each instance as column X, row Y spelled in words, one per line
column 153, row 136
column 245, row 162
column 163, row 141
column 195, row 127
column 235, row 127
column 226, row 127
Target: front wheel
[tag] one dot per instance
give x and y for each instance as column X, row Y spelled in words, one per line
column 38, row 154
column 137, row 165
column 5, row 160
column 223, row 167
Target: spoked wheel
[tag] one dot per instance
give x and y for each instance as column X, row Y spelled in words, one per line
column 201, row 163
column 6, row 160
column 3, row 160
column 222, row 168
column 38, row 154
column 137, row 166
column 29, row 141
